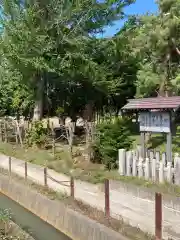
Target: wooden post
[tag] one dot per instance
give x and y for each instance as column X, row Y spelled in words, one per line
column 164, row 158
column 1, row 131
column 72, row 187
column 16, row 136
column 157, row 156
column 53, row 144
column 25, row 169
column 177, row 170
column 45, row 177
column 158, row 216
column 10, row 170
column 5, row 132
column 134, row 164
column 107, row 204
column 147, row 169
column 122, row 161
column 128, row 163
column 143, row 147
column 53, row 139
column 153, row 170
column 169, row 173
column 161, row 172
column 169, row 147
column 19, row 133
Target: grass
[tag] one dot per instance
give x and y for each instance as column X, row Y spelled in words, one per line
column 117, row 225
column 34, row 155
column 158, row 141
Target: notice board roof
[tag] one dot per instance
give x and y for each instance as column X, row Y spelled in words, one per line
column 156, row 103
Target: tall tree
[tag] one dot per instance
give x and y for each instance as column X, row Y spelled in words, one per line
column 157, row 44
column 43, row 37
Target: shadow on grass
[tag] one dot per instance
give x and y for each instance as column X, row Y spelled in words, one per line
column 156, row 141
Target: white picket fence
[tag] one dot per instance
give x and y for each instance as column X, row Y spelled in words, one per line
column 154, row 167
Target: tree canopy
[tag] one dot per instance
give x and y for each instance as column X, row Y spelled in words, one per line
column 48, row 46
column 51, row 60
column 157, row 43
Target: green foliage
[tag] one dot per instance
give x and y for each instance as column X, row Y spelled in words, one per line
column 157, row 43
column 110, row 138
column 36, row 135
column 6, row 227
column 51, row 42
column 60, row 111
column 42, row 43
column 5, row 215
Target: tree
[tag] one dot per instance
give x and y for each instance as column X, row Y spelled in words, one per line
column 15, row 97
column 120, row 65
column 157, row 44
column 48, row 38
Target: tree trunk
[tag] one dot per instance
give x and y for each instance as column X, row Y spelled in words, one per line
column 38, row 107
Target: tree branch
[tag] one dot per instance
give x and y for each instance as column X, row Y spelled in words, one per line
column 175, row 47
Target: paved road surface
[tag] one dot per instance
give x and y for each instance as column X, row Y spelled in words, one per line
column 137, row 211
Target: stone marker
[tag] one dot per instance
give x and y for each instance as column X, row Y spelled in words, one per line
column 177, row 170
column 122, row 163
column 161, row 172
column 147, row 169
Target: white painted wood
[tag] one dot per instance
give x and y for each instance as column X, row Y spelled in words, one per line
column 169, row 172
column 154, row 169
column 140, row 168
column 128, row 163
column 164, row 158
column 161, row 172
column 134, row 166
column 147, row 169
column 122, row 159
column 177, row 171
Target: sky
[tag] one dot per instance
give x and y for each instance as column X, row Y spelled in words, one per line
column 140, row 7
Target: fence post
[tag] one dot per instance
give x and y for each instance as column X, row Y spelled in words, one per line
column 5, row 132
column 53, row 144
column 158, row 216
column 107, row 205
column 128, row 163
column 177, row 170
column 147, row 169
column 10, row 166
column 53, row 139
column 45, row 177
column 122, row 161
column 154, row 173
column 25, row 169
column 1, row 131
column 72, row 187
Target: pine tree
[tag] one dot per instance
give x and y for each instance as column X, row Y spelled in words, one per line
column 157, row 43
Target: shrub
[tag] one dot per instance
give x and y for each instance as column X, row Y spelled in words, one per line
column 37, row 135
column 110, row 138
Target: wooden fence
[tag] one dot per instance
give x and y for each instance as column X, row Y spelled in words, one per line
column 154, row 167
column 107, row 206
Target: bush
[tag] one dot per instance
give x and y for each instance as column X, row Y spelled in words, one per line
column 37, row 135
column 110, row 138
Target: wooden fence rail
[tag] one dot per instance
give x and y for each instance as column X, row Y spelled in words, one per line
column 107, row 207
